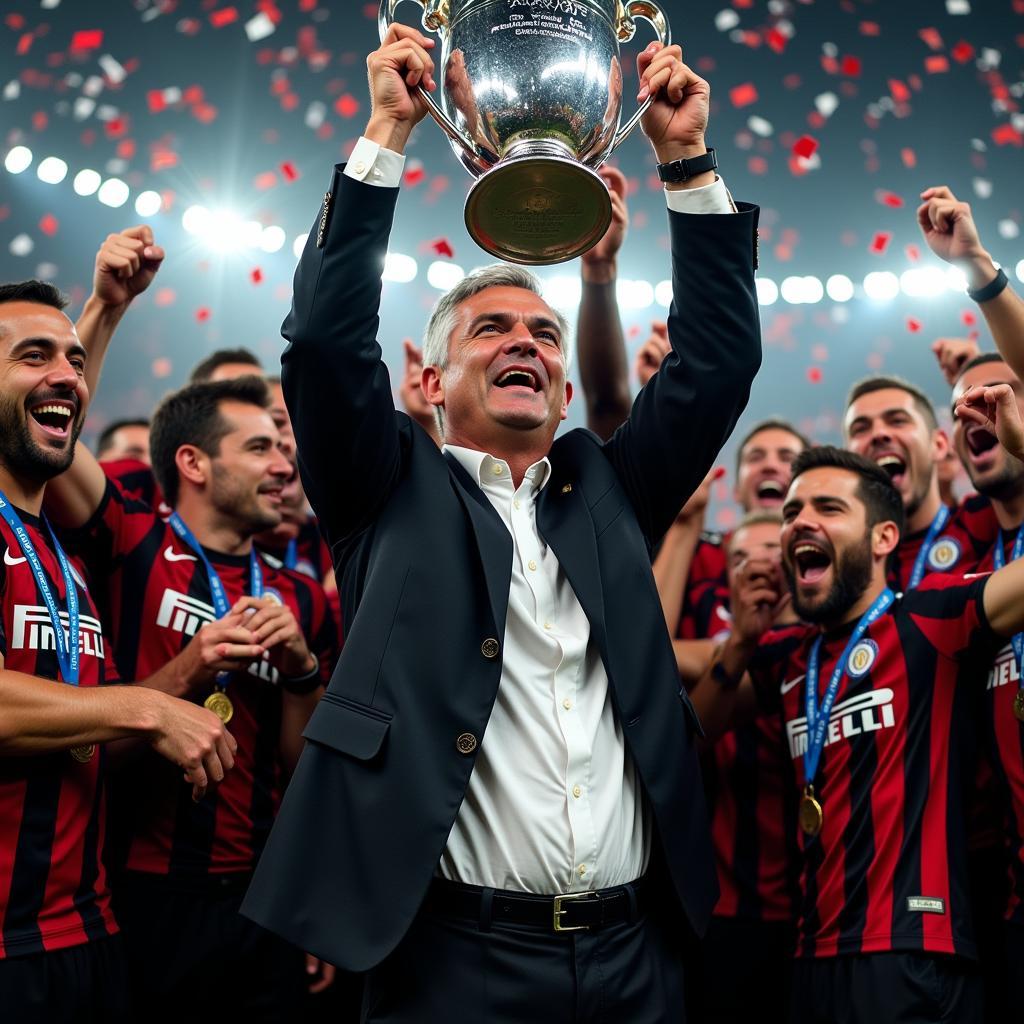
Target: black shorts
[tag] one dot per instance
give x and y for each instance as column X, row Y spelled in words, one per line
column 879, row 988
column 194, row 958
column 85, row 984
column 742, row 973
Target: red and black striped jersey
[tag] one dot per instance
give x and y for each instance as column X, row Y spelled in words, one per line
column 159, row 596
column 53, row 887
column 135, row 479
column 707, row 591
column 969, row 534
column 888, row 871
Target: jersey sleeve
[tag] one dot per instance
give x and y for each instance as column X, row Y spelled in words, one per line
column 950, row 612
column 769, row 665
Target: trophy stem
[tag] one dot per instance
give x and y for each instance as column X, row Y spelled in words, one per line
column 538, row 206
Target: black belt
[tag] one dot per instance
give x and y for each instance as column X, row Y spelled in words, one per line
column 570, row 912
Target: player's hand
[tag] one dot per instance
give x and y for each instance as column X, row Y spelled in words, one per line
column 952, row 354
column 193, row 738
column 995, row 408
column 277, row 631
column 758, row 596
column 225, row 645
column 652, row 352
column 126, row 264
column 319, row 973
column 698, row 501
column 395, row 69
column 948, row 227
column 678, row 118
column 608, row 248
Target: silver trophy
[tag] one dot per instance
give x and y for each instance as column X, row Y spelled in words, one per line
column 531, row 97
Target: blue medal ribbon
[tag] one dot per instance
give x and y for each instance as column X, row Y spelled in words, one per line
column 291, row 554
column 66, row 644
column 221, row 605
column 999, row 561
column 817, row 716
column 938, row 525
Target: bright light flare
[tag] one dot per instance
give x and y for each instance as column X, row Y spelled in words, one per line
column 399, row 268
column 443, row 275
column 767, row 291
column 272, row 239
column 52, row 170
column 86, row 182
column 18, row 159
column 113, row 192
column 148, row 204
column 839, row 288
column 881, row 285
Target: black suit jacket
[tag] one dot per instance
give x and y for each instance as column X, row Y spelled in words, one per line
column 423, row 566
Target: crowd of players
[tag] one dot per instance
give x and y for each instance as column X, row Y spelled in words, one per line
column 183, row 557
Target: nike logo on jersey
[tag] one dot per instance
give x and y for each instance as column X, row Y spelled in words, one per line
column 75, row 574
column 863, row 712
column 786, row 687
column 33, row 631
column 12, row 561
column 172, row 556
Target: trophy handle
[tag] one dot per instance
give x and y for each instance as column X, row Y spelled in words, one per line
column 649, row 11
column 435, row 19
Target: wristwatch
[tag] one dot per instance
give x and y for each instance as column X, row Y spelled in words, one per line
column 683, row 170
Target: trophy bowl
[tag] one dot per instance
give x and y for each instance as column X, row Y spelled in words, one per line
column 531, row 100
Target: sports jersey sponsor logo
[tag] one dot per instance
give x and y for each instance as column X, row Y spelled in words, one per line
column 13, row 561
column 1004, row 669
column 862, row 657
column 944, row 554
column 33, row 631
column 864, row 712
column 188, row 615
column 926, row 905
column 172, row 556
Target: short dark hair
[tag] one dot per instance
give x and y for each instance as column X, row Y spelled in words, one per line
column 106, row 438
column 980, row 359
column 921, row 400
column 192, row 416
column 882, row 502
column 772, row 423
column 205, row 369
column 42, row 292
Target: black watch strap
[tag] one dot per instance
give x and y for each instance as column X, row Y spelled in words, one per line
column 992, row 289
column 683, row 170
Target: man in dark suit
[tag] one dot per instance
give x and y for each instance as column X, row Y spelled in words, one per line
column 498, row 813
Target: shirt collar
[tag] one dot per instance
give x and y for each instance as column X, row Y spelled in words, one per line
column 481, row 467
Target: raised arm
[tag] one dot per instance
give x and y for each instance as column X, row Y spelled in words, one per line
column 600, row 345
column 684, row 415
column 949, row 229
column 335, row 382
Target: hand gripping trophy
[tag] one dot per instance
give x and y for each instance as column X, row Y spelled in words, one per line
column 531, row 100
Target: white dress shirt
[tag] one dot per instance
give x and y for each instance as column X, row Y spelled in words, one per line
column 554, row 803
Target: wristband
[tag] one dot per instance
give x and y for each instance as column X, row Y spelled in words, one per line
column 722, row 677
column 683, row 170
column 305, row 684
column 991, row 290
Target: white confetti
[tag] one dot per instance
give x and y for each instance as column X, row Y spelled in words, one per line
column 49, row 5
column 982, row 187
column 47, row 272
column 726, row 19
column 107, row 113
column 760, row 126
column 958, row 7
column 259, row 27
column 830, row 49
column 112, row 69
column 1008, row 228
column 12, row 90
column 315, row 114
column 21, row 245
column 989, row 59
column 979, row 146
column 83, row 108
column 826, row 103
column 93, row 86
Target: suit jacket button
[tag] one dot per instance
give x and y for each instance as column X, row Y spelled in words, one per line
column 466, row 743
column 567, row 489
column 489, row 648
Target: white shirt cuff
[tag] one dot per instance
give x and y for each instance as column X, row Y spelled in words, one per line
column 372, row 163
column 713, row 198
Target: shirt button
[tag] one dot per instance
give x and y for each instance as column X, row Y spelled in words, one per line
column 531, row 565
column 567, row 704
column 515, row 503
column 581, row 870
column 489, row 648
column 359, row 167
column 496, row 469
column 576, row 792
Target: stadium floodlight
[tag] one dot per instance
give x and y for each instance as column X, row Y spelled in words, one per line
column 272, row 238
column 299, row 244
column 562, row 291
column 113, row 192
column 86, row 182
column 923, row 282
column 634, row 294
column 399, row 268
column 839, row 288
column 443, row 275
column 956, row 280
column 813, row 290
column 663, row 293
column 18, row 159
column 767, row 291
column 195, row 220
column 792, row 290
column 881, row 285
column 148, row 203
column 52, row 170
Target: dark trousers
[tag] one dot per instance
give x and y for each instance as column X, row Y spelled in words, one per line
column 85, row 984
column 453, row 969
column 743, row 972
column 887, row 988
column 194, row 958
column 989, row 891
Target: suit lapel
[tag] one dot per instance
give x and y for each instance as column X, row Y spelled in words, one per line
column 493, row 541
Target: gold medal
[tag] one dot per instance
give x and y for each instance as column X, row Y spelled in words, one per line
column 220, row 704
column 84, row 754
column 811, row 814
column 1018, row 705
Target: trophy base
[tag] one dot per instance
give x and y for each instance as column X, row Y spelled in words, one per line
column 537, row 207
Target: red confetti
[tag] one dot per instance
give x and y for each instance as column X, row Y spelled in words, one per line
column 851, row 66
column 967, row 318
column 870, row 28
column 193, row 95
column 776, row 40
column 1007, row 135
column 931, row 38
column 442, row 247
column 908, row 156
column 225, row 16
column 14, row 22
column 900, row 93
column 347, row 106
column 289, row 171
column 880, row 242
column 202, row 314
column 962, row 52
column 913, row 253
column 889, row 199
column 24, row 44
column 914, row 326
column 805, row 146
column 743, row 95
column 414, row 174
column 814, row 374
column 164, row 296
column 89, row 39
column 49, row 224
column 936, row 64
column 256, row 275
column 268, row 179
column 162, row 367
column 156, row 101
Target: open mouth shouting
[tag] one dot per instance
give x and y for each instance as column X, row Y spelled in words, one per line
column 770, row 492
column 981, row 446
column 810, row 559
column 519, row 379
column 55, row 417
column 895, row 465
